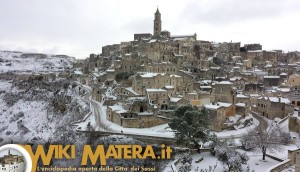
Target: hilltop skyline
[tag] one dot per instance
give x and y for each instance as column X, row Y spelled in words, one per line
column 78, row 28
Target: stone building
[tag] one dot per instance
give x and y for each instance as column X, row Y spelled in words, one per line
column 247, row 63
column 224, row 92
column 157, row 24
column 131, row 62
column 165, row 34
column 242, row 109
column 294, row 122
column 253, row 88
column 219, row 112
column 294, row 97
column 136, row 115
column 270, row 81
column 274, row 107
column 97, row 92
column 155, row 80
column 109, row 50
column 293, row 57
column 140, row 36
column 241, row 98
column 252, row 47
column 256, row 55
column 125, row 92
column 294, row 156
column 158, row 98
column 233, row 48
column 294, row 80
column 270, row 56
column 262, row 56
column 163, row 67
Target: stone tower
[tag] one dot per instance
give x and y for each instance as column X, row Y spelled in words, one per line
column 157, row 23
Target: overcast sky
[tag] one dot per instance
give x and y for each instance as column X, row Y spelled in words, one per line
column 81, row 27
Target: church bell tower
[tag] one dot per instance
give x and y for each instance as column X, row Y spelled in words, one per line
column 157, row 23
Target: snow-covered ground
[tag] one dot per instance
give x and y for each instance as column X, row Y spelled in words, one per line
column 25, row 120
column 30, row 116
column 255, row 162
column 15, row 62
column 239, row 132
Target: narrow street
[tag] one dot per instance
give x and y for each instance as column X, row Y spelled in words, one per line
column 263, row 123
column 95, row 109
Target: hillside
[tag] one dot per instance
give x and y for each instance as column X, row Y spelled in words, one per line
column 32, row 62
column 39, row 113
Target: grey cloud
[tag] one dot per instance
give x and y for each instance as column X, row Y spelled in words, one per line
column 139, row 25
column 230, row 11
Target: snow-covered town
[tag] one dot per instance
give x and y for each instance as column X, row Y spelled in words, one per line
column 222, row 106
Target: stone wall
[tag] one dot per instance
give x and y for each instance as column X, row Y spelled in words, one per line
column 281, row 166
column 273, row 110
column 223, row 93
column 294, row 124
column 142, row 121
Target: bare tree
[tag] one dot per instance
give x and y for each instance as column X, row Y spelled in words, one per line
column 270, row 139
column 226, row 152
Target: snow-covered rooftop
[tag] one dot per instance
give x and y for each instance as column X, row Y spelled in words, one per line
column 131, row 90
column 283, row 89
column 145, row 113
column 224, row 82
column 174, row 99
column 241, row 96
column 116, row 108
column 203, row 86
column 169, row 87
column 240, row 104
column 78, row 72
column 155, row 90
column 255, row 51
column 236, row 78
column 217, row 105
column 176, row 76
column 151, row 75
column 271, row 76
column 110, row 70
column 277, row 99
